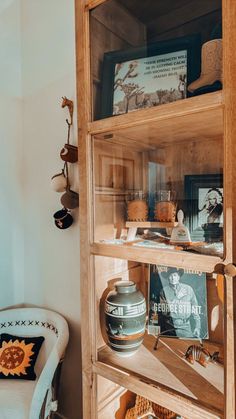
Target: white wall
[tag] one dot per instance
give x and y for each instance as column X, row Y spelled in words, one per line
column 39, row 264
column 11, row 174
column 51, row 255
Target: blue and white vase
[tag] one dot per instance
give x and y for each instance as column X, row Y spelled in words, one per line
column 125, row 316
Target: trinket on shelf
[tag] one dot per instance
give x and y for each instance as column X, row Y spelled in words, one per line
column 125, row 317
column 201, row 355
column 211, row 65
column 137, row 207
column 145, row 408
column 165, row 206
column 180, row 234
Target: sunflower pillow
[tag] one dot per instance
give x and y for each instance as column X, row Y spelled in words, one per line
column 18, row 356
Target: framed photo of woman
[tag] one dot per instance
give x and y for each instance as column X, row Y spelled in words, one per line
column 205, row 206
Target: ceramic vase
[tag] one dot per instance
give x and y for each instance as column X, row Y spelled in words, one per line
column 125, row 317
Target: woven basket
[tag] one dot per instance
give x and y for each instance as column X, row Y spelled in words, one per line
column 162, row 412
column 137, row 210
column 131, row 413
column 144, row 407
column 165, row 211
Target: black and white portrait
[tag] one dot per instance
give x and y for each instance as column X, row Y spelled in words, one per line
column 205, row 207
column 210, row 206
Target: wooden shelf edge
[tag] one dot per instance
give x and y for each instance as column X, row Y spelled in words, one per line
column 91, row 4
column 165, row 397
column 173, row 258
column 150, row 224
column 172, row 110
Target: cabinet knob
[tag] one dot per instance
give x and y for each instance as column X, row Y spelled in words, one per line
column 230, row 269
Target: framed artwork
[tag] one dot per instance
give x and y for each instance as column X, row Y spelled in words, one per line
column 149, row 76
column 204, row 206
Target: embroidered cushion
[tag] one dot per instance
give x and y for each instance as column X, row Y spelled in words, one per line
column 18, row 356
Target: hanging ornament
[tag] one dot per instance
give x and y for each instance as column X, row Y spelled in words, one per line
column 69, row 153
column 59, row 182
column 63, row 219
column 70, row 199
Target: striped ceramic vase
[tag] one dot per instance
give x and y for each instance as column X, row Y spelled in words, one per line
column 125, row 316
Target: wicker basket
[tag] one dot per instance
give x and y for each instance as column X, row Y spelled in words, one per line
column 162, row 412
column 165, row 211
column 144, row 407
column 137, row 210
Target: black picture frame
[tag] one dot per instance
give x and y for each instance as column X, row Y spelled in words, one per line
column 210, row 229
column 191, row 44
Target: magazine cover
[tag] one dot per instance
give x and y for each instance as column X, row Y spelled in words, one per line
column 177, row 303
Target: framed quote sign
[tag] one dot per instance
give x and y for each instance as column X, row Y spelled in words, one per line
column 149, row 76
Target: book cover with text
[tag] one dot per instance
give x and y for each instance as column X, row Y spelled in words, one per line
column 177, row 303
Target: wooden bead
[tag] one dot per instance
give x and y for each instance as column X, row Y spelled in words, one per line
column 230, row 269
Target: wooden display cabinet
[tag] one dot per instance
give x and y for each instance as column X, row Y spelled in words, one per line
column 191, row 136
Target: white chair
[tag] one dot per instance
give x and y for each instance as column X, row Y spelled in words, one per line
column 22, row 399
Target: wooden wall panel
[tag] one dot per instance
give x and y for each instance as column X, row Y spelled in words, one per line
column 107, row 391
column 166, row 19
column 115, row 402
column 117, row 19
column 180, row 10
column 190, row 158
column 194, row 17
column 203, row 26
column 115, row 171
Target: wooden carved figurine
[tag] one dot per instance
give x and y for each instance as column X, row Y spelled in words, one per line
column 69, row 103
column 201, row 355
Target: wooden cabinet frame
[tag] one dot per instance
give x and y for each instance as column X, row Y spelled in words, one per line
column 225, row 102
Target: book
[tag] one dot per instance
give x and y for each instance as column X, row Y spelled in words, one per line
column 177, row 303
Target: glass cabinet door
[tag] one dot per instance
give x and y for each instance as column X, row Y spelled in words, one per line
column 159, row 195
column 156, row 73
column 145, row 54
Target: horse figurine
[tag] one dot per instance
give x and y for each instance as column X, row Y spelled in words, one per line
column 69, row 103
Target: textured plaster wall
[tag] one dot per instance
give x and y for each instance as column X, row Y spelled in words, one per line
column 11, row 161
column 39, row 264
column 51, row 255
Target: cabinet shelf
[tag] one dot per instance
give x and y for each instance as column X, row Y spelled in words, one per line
column 196, row 118
column 178, row 383
column 149, row 224
column 176, row 258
